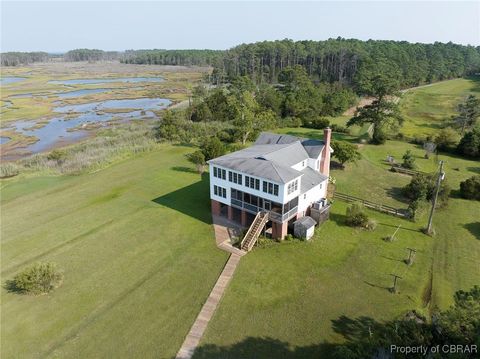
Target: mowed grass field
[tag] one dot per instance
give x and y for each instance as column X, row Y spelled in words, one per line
column 299, row 300
column 137, row 249
column 426, row 108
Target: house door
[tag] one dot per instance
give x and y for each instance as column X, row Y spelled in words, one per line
column 267, row 205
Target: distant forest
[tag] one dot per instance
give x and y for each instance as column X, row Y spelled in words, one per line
column 174, row 57
column 349, row 61
column 23, row 58
column 346, row 61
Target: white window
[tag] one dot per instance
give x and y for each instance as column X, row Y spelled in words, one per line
column 292, row 187
column 220, row 191
column 268, row 187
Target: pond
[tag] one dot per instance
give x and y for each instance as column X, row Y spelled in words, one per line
column 138, row 103
column 78, row 93
column 68, row 94
column 10, row 80
column 106, row 80
column 65, row 129
column 4, row 139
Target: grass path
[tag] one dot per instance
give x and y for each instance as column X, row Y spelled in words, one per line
column 131, row 288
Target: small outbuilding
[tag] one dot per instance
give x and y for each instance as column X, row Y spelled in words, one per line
column 304, row 227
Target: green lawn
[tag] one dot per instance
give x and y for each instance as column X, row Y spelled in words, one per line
column 425, row 108
column 136, row 246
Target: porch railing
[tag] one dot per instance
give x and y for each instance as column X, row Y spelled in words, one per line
column 278, row 217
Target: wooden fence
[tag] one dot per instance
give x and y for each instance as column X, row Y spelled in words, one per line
column 406, row 171
column 375, row 206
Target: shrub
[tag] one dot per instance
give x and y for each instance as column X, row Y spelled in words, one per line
column 40, row 278
column 290, row 122
column 408, row 160
column 470, row 188
column 412, row 209
column 212, row 147
column 198, row 159
column 345, row 152
column 418, row 188
column 339, row 128
column 447, row 139
column 379, row 137
column 8, row 169
column 356, row 216
column 57, row 155
column 317, row 123
column 422, row 187
column 470, row 143
column 418, row 140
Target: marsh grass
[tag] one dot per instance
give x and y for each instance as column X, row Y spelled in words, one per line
column 110, row 146
column 9, row 169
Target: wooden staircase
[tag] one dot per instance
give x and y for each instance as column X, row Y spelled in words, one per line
column 254, row 231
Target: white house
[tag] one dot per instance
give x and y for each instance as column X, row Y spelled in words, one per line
column 281, row 174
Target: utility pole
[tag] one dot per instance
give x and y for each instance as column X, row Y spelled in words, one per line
column 434, row 200
column 395, row 277
column 411, row 255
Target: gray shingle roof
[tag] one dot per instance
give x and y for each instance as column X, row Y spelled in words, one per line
column 288, row 155
column 312, row 147
column 305, row 222
column 272, row 156
column 310, row 179
column 258, row 167
column 267, row 138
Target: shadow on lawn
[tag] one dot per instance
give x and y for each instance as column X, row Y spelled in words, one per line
column 355, row 331
column 264, row 347
column 193, row 200
column 184, row 169
column 474, row 229
column 397, row 194
column 474, row 169
column 338, row 218
column 11, row 286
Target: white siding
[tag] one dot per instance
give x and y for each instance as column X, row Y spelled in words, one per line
column 214, row 181
column 301, row 165
column 314, row 194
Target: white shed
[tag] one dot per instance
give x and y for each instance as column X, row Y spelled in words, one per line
column 304, row 227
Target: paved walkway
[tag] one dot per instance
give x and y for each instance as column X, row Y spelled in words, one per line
column 225, row 232
column 198, row 328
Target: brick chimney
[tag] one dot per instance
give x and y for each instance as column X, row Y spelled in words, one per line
column 325, row 158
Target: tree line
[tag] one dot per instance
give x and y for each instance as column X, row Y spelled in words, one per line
column 348, row 61
column 91, row 55
column 22, row 58
column 173, row 57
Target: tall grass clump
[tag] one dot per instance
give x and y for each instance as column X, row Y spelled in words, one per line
column 8, row 169
column 40, row 278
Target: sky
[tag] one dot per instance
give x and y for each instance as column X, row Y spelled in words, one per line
column 59, row 26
